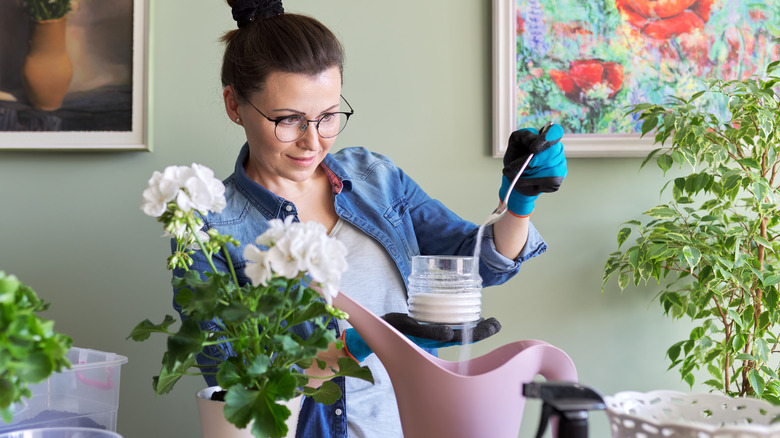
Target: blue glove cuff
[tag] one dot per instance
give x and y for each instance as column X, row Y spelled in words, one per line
column 519, row 205
column 355, row 346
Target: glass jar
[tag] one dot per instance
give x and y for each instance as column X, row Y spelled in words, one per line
column 445, row 290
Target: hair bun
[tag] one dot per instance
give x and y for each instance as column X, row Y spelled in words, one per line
column 244, row 11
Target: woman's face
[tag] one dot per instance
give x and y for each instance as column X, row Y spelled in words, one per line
column 273, row 163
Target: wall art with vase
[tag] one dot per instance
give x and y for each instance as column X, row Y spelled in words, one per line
column 73, row 74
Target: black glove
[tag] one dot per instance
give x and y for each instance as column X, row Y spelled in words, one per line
column 424, row 335
column 544, row 173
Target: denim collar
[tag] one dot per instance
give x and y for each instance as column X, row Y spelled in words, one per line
column 339, row 179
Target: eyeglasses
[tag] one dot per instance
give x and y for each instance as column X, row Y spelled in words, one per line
column 291, row 128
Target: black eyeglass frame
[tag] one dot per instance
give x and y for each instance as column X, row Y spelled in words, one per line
column 278, row 120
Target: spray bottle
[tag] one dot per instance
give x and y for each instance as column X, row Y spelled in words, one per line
column 567, row 402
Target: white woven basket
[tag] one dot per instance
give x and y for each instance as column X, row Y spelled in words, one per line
column 665, row 414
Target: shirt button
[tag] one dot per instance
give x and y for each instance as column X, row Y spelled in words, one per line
column 288, row 207
column 338, row 411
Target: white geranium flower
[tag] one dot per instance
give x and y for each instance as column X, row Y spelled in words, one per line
column 258, row 269
column 205, row 192
column 200, row 190
column 296, row 248
column 193, row 188
column 282, row 260
column 275, row 231
column 326, row 261
column 160, row 192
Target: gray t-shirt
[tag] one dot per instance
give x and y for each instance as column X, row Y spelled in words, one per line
column 373, row 280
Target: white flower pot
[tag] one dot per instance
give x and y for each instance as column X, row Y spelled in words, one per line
column 670, row 414
column 214, row 424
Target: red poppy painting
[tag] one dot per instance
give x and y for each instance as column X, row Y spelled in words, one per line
column 582, row 64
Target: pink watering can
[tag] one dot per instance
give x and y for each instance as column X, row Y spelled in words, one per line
column 436, row 399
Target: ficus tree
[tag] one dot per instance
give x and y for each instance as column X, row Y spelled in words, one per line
column 715, row 246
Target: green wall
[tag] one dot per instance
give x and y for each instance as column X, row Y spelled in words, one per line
column 419, row 77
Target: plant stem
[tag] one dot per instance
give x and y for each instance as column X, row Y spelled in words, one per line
column 202, row 246
column 232, row 271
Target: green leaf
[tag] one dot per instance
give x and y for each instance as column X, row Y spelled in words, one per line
column 689, row 379
column 665, row 162
column 350, row 368
column 661, row 212
column 228, row 373
column 328, row 393
column 144, row 329
column 736, row 317
column 760, row 190
column 36, row 367
column 770, row 280
column 658, row 251
column 623, row 279
column 770, row 372
column 697, row 95
column 717, row 384
column 674, row 351
column 763, row 242
column 750, row 162
column 692, row 256
column 623, row 235
column 757, row 382
column 763, row 350
column 170, row 374
column 259, row 366
column 649, row 157
column 649, row 124
column 235, row 312
column 188, row 341
column 738, row 342
column 243, row 405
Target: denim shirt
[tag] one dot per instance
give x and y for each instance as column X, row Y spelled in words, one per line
column 381, row 200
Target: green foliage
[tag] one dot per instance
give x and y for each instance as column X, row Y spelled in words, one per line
column 30, row 349
column 253, row 323
column 40, row 10
column 715, row 245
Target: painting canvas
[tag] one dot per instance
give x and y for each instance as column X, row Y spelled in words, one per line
column 581, row 63
column 91, row 93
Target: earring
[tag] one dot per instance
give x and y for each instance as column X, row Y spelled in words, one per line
column 238, row 119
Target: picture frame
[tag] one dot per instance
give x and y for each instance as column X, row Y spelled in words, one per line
column 105, row 107
column 652, row 59
column 504, row 100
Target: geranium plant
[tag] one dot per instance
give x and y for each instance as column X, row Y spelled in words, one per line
column 718, row 240
column 294, row 271
column 30, row 349
column 41, row 10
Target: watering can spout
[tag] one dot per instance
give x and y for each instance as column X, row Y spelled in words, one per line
column 478, row 397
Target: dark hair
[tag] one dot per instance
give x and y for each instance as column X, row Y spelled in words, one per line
column 289, row 43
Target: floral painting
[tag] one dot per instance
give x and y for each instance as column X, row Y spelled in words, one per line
column 582, row 62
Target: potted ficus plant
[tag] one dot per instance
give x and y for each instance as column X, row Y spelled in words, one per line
column 294, row 271
column 30, row 349
column 715, row 245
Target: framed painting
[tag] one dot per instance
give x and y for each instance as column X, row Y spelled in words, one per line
column 582, row 64
column 76, row 77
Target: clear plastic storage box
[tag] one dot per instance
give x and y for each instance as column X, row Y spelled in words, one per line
column 86, row 395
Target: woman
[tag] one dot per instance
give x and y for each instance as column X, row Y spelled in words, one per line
column 282, row 76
